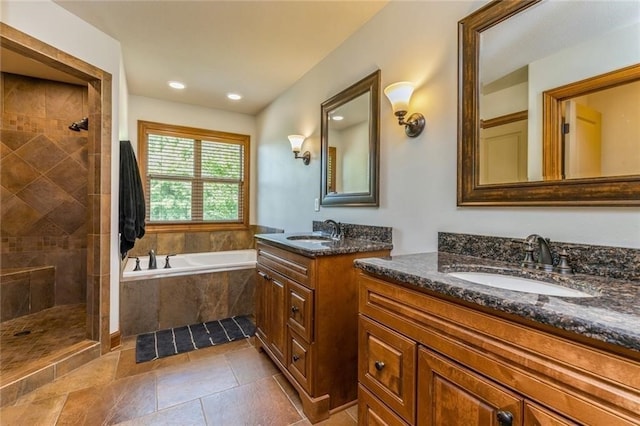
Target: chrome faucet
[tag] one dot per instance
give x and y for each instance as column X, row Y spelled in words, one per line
column 336, row 231
column 152, row 260
column 545, row 261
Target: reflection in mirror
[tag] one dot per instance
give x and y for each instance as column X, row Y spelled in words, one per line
column 513, row 148
column 349, row 139
column 591, row 127
column 348, row 135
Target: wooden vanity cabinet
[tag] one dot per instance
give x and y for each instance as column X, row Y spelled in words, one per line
column 307, row 322
column 451, row 364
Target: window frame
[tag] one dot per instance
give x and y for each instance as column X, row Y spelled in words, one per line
column 147, row 127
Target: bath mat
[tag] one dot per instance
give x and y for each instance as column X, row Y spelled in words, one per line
column 173, row 341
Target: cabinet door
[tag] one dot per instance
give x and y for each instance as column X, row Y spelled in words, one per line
column 262, row 284
column 535, row 415
column 449, row 394
column 277, row 303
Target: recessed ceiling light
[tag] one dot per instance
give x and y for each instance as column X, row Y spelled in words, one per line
column 177, row 85
column 337, row 118
column 234, row 96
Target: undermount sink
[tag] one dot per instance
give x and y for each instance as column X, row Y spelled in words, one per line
column 309, row 238
column 518, row 284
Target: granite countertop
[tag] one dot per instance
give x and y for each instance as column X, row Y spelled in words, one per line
column 612, row 315
column 322, row 248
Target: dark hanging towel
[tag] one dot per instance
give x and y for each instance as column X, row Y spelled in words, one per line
column 132, row 208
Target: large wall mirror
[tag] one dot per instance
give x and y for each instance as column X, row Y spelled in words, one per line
column 350, row 145
column 549, row 104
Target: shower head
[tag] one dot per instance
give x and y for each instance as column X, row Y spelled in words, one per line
column 80, row 125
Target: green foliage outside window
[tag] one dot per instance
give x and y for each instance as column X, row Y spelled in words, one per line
column 194, row 180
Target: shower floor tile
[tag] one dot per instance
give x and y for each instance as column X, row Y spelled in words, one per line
column 51, row 332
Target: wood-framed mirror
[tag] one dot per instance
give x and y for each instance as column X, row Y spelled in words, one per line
column 350, row 145
column 517, row 115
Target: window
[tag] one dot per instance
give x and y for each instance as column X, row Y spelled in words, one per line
column 194, row 179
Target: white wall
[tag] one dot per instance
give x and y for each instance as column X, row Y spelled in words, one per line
column 48, row 22
column 414, row 41
column 149, row 109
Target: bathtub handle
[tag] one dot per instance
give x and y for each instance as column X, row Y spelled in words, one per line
column 166, row 261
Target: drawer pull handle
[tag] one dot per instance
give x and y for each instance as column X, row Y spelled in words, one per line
column 294, row 309
column 379, row 365
column 264, row 276
column 295, row 358
column 505, row 418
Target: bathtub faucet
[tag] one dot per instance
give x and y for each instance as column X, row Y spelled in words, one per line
column 166, row 261
column 152, row 260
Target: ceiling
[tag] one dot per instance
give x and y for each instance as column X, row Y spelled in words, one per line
column 255, row 48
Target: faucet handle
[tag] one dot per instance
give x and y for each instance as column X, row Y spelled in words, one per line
column 166, row 261
column 563, row 265
column 528, row 261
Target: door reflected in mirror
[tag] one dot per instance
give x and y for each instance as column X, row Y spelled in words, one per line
column 350, row 145
column 601, row 133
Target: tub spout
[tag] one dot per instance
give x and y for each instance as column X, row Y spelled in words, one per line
column 152, row 260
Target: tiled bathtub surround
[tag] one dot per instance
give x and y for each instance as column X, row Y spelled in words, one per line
column 44, row 176
column 381, row 234
column 159, row 303
column 198, row 242
column 156, row 304
column 614, row 262
column 26, row 291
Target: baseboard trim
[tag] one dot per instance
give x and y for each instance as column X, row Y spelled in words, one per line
column 116, row 339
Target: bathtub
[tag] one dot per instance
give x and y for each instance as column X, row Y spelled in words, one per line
column 190, row 264
column 199, row 287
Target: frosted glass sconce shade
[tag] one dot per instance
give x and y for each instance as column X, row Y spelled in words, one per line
column 296, row 146
column 399, row 94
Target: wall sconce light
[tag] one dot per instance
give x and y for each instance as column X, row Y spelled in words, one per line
column 296, row 146
column 399, row 94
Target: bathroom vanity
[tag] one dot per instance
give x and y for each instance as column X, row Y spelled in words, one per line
column 306, row 314
column 436, row 350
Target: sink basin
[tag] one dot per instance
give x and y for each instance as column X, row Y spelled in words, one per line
column 518, row 284
column 309, row 238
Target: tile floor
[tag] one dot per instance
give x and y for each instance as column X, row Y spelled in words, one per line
column 50, row 331
column 230, row 384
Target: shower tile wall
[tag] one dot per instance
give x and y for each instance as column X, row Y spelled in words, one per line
column 44, row 181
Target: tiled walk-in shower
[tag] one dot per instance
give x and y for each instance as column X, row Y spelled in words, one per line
column 38, row 347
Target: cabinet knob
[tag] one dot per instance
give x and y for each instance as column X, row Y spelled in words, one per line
column 379, row 365
column 295, row 358
column 505, row 418
column 294, row 309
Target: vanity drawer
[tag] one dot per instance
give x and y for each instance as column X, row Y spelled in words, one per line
column 387, row 366
column 300, row 361
column 300, row 310
column 292, row 265
column 372, row 412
